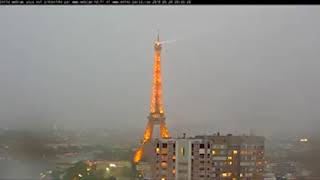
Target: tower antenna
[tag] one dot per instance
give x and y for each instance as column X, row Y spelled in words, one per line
column 158, row 36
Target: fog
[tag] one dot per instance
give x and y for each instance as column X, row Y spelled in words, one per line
column 232, row 69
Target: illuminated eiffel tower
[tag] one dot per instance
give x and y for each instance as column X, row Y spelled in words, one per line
column 156, row 116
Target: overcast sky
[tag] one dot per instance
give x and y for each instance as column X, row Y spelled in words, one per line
column 232, row 69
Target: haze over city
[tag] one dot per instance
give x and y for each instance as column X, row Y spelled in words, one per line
column 231, row 69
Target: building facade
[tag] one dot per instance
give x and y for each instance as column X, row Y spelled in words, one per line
column 211, row 157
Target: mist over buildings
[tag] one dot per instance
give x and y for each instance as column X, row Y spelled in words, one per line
column 234, row 69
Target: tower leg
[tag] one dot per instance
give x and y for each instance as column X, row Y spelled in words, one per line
column 138, row 154
column 148, row 132
column 146, row 137
column 164, row 132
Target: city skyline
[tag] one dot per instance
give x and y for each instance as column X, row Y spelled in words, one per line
column 163, row 93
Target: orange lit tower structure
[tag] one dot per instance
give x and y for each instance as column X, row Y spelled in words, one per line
column 156, row 116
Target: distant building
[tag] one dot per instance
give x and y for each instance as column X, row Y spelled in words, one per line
column 269, row 176
column 144, row 169
column 212, row 157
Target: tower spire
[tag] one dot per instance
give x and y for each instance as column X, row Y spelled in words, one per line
column 156, row 115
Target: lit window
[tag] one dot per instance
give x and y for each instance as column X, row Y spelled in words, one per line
column 235, row 152
column 163, row 178
column 164, row 165
column 157, row 150
column 226, row 174
column 182, row 151
column 230, row 163
column 213, row 152
column 230, row 157
column 303, row 140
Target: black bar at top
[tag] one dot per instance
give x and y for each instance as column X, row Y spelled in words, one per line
column 158, row 2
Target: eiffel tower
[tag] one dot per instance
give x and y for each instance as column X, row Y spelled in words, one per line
column 156, row 116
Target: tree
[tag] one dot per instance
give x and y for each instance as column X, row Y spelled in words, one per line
column 111, row 178
column 80, row 171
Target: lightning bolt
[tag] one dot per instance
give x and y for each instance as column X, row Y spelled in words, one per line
column 167, row 42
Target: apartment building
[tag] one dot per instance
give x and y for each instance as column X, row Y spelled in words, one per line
column 213, row 157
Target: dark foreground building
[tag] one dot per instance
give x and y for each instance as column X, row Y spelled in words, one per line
column 211, row 157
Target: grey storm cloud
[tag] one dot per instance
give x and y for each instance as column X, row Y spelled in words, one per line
column 231, row 68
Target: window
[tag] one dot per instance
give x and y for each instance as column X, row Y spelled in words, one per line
column 182, row 151
column 164, row 165
column 202, row 146
column 164, row 145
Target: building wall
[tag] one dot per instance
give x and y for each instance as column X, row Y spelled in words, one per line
column 209, row 157
column 183, row 159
